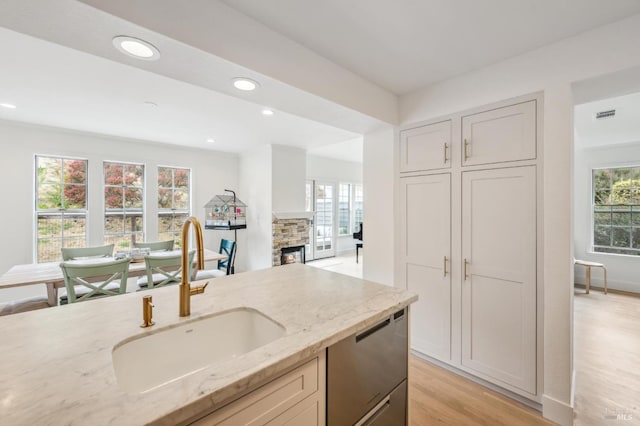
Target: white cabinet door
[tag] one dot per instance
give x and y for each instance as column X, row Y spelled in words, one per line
column 499, row 275
column 426, row 260
column 499, row 135
column 426, row 147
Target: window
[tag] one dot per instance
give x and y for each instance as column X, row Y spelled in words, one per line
column 344, row 209
column 123, row 204
column 358, row 206
column 173, row 202
column 61, row 205
column 616, row 210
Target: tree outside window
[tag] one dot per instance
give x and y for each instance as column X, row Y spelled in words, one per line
column 174, row 188
column 61, row 205
column 616, row 210
column 123, row 204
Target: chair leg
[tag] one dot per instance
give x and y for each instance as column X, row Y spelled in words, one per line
column 588, row 278
column 605, row 279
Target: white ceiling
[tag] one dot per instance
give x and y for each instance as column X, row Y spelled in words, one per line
column 350, row 150
column 62, row 87
column 623, row 128
column 404, row 45
column 70, row 75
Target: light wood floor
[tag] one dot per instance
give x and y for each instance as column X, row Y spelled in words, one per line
column 606, row 359
column 440, row 397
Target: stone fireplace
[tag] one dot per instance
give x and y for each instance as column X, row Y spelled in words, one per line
column 294, row 254
column 288, row 233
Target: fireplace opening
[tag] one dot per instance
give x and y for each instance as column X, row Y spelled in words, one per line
column 294, row 254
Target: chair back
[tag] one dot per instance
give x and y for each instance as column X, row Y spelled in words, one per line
column 71, row 253
column 156, row 246
column 87, row 275
column 227, row 247
column 163, row 270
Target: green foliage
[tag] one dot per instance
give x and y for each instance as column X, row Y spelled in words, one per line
column 625, row 192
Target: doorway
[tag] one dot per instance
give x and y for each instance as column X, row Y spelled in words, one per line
column 324, row 220
column 606, row 193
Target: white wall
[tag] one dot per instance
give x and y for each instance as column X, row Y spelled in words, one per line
column 256, row 192
column 326, row 169
column 333, row 170
column 550, row 69
column 289, row 167
column 211, row 173
column 379, row 205
column 622, row 270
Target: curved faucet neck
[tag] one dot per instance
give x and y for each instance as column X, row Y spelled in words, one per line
column 185, row 247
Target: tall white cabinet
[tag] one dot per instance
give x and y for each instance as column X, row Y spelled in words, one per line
column 425, row 248
column 469, row 239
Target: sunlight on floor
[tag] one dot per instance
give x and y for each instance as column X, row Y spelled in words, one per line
column 345, row 264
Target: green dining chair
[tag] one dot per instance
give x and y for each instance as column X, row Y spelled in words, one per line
column 84, row 281
column 70, row 253
column 156, row 246
column 163, row 270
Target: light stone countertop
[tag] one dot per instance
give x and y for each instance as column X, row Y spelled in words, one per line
column 56, row 366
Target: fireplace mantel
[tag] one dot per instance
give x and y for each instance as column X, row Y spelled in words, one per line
column 293, row 215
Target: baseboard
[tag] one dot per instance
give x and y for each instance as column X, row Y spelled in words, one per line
column 612, row 284
column 557, row 411
column 521, row 399
column 609, row 290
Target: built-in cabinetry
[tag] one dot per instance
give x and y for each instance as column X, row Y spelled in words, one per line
column 425, row 247
column 468, row 240
column 296, row 398
column 426, row 147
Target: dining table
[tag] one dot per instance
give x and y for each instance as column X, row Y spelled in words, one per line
column 50, row 273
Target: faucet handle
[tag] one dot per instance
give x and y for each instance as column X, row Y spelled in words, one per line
column 199, row 289
column 147, row 312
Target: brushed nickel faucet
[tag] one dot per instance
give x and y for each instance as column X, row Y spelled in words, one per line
column 186, row 291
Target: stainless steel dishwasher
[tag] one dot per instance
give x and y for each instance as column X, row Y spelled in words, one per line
column 367, row 376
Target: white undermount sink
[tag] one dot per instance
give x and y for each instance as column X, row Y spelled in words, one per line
column 148, row 362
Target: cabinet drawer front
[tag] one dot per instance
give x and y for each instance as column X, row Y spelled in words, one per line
column 500, row 135
column 426, row 147
column 268, row 402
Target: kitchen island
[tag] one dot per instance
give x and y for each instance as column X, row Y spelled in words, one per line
column 56, row 364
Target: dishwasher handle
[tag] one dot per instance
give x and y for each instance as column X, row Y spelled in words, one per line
column 372, row 330
column 376, row 412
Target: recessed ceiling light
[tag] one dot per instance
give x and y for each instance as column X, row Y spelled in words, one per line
column 136, row 47
column 211, row 140
column 267, row 111
column 245, row 84
column 8, row 106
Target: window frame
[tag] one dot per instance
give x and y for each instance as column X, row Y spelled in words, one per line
column 349, row 230
column 124, row 212
column 354, row 220
column 177, row 236
column 62, row 212
column 601, row 249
